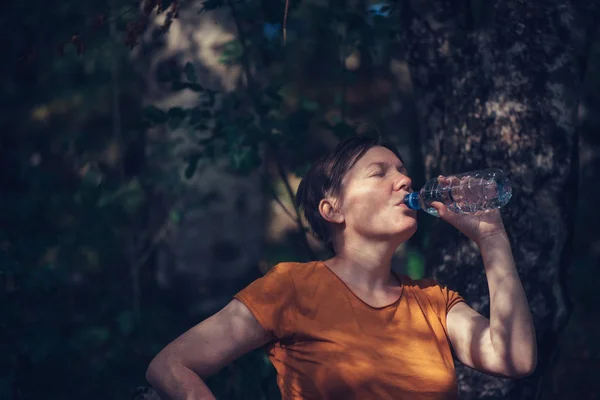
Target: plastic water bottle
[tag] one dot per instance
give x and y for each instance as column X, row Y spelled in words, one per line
column 464, row 193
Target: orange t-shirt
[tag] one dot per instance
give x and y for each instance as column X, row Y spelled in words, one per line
column 329, row 344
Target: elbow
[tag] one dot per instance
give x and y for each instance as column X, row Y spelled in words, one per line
column 529, row 368
column 523, row 369
column 521, row 373
column 528, row 365
column 157, row 370
column 153, row 372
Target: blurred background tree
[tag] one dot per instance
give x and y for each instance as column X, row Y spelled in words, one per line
column 150, row 151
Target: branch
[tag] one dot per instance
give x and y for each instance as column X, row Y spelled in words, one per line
column 253, row 95
column 285, row 209
column 285, row 16
column 140, row 262
column 156, row 239
column 245, row 52
column 298, row 219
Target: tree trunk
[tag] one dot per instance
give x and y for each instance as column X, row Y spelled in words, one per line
column 213, row 222
column 499, row 87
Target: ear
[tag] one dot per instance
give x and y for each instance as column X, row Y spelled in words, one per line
column 329, row 211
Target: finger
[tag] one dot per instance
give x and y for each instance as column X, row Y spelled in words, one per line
column 440, row 207
column 445, row 214
column 454, row 181
column 443, row 182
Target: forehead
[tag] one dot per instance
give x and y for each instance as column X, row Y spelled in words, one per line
column 377, row 154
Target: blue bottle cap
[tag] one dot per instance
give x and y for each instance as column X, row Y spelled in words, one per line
column 412, row 201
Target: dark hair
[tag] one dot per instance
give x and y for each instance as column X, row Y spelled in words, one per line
column 324, row 178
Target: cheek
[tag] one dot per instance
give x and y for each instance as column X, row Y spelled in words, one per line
column 367, row 198
column 367, row 205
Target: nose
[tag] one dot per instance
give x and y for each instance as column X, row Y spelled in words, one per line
column 402, row 182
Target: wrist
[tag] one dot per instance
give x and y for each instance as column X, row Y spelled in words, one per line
column 492, row 239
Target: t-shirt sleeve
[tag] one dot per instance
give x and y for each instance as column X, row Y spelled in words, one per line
column 451, row 298
column 272, row 301
column 442, row 297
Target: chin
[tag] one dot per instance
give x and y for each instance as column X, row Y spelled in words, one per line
column 410, row 232
column 406, row 232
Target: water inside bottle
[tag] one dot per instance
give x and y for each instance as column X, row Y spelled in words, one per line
column 477, row 193
column 467, row 193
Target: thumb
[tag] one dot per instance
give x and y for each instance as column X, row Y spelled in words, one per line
column 443, row 211
column 440, row 207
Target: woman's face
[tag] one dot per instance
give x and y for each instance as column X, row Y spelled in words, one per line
column 371, row 198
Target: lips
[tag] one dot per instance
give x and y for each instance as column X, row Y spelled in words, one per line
column 401, row 202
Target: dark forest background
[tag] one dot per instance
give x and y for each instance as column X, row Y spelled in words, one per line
column 149, row 152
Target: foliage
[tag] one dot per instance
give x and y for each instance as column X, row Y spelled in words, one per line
column 76, row 192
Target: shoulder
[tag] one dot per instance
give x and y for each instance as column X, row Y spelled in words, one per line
column 296, row 270
column 286, row 274
column 438, row 295
column 423, row 284
column 302, row 277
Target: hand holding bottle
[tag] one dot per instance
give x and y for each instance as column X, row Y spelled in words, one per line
column 477, row 226
column 468, row 201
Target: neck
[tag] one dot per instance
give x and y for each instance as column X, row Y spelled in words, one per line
column 367, row 265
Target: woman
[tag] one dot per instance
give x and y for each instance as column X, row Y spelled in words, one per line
column 349, row 327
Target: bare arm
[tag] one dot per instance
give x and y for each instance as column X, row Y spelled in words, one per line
column 177, row 371
column 505, row 344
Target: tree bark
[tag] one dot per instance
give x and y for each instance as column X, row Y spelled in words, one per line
column 499, row 87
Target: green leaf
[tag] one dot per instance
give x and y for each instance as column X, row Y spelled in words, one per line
column 232, row 52
column 192, row 165
column 130, row 196
column 177, row 86
column 274, row 95
column 163, row 75
column 209, row 98
column 198, row 116
column 194, row 87
column 168, row 72
column 92, row 176
column 233, row 48
column 95, row 336
column 209, row 5
column 41, row 343
column 302, row 169
column 208, row 199
column 310, row 105
column 244, row 160
column 342, row 130
column 190, row 72
column 202, row 127
column 155, row 115
column 132, row 202
column 175, row 216
column 126, row 322
column 175, row 115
